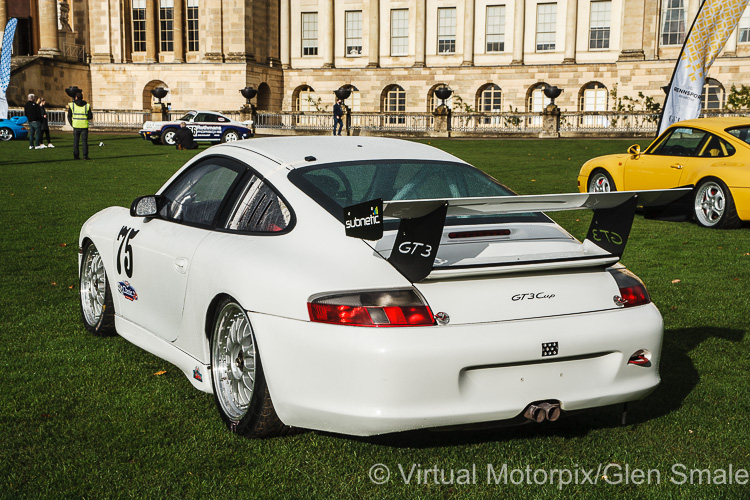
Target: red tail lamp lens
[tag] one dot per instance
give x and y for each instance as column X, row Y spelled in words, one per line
column 632, row 290
column 379, row 308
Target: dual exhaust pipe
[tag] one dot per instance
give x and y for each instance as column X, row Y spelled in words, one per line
column 539, row 412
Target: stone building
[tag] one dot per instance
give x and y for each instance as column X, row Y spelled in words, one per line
column 496, row 55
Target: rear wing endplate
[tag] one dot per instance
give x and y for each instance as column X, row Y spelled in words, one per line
column 422, row 221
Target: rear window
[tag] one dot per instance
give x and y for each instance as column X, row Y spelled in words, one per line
column 336, row 186
column 741, row 133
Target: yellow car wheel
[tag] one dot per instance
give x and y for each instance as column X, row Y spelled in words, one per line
column 714, row 206
column 601, row 182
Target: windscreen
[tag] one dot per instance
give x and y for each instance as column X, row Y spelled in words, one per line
column 336, row 186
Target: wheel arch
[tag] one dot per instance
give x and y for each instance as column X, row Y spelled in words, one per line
column 599, row 168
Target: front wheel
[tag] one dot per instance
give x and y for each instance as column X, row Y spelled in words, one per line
column 167, row 137
column 240, row 388
column 230, row 136
column 601, row 182
column 97, row 306
column 714, row 206
column 6, row 134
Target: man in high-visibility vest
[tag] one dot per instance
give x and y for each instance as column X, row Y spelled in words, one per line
column 79, row 115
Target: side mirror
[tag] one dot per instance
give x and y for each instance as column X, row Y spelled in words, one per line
column 634, row 150
column 145, row 206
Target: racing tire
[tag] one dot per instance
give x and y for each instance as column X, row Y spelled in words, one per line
column 97, row 306
column 713, row 205
column 239, row 384
column 167, row 136
column 6, row 134
column 230, row 136
column 600, row 182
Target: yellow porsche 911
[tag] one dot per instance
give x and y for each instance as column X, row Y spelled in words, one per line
column 712, row 155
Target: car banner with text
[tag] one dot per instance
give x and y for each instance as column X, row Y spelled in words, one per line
column 715, row 22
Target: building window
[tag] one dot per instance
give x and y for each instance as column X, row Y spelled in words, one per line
column 139, row 25
column 546, row 23
column 490, row 99
column 394, row 102
column 307, row 99
column 192, row 26
column 496, row 28
column 713, row 95
column 743, row 29
column 536, row 103
column 447, row 30
column 354, row 33
column 310, row 34
column 599, row 24
column 593, row 97
column 399, row 32
column 166, row 25
column 673, row 22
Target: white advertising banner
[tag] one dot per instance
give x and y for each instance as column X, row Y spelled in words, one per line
column 715, row 22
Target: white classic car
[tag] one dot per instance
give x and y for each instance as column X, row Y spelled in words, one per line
column 369, row 285
column 206, row 126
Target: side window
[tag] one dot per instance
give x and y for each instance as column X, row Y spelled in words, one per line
column 201, row 117
column 196, row 196
column 682, row 142
column 717, row 148
column 259, row 210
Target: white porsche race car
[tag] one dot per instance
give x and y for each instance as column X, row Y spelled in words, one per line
column 206, row 126
column 368, row 285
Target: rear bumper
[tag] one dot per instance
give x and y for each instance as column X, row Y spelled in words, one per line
column 365, row 381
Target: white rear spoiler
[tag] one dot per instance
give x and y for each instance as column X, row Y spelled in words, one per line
column 422, row 221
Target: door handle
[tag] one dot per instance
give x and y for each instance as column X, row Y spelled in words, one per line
column 181, row 265
column 676, row 166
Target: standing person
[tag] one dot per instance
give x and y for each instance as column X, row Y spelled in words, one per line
column 45, row 123
column 79, row 114
column 338, row 112
column 34, row 116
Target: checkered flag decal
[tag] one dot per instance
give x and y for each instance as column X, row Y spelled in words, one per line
column 549, row 349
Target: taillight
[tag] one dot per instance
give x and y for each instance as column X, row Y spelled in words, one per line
column 371, row 308
column 632, row 290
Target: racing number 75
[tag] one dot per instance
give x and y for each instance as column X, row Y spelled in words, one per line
column 126, row 234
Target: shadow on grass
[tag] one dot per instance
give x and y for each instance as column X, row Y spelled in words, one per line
column 679, row 378
column 92, row 159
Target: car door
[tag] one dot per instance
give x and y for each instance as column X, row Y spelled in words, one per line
column 154, row 255
column 662, row 166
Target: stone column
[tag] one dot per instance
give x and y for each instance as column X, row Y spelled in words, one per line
column 211, row 30
column 571, row 28
column 632, row 32
column 328, row 34
column 3, row 15
column 550, row 122
column 730, row 49
column 374, row 44
column 419, row 15
column 692, row 11
column 151, row 24
column 48, row 44
column 286, row 32
column 518, row 27
column 179, row 31
column 468, row 33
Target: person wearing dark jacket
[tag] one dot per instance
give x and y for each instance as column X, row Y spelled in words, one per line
column 184, row 138
column 45, row 124
column 34, row 116
column 338, row 113
column 79, row 115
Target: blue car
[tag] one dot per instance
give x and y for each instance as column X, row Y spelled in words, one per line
column 12, row 129
column 207, row 126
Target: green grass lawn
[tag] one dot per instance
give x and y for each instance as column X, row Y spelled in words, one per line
column 90, row 417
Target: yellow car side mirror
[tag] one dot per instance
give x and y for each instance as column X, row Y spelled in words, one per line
column 634, row 150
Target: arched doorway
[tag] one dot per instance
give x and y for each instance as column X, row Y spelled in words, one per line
column 264, row 97
column 148, row 99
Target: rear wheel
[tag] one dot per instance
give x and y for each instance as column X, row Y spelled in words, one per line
column 601, row 182
column 97, row 307
column 714, row 206
column 230, row 136
column 240, row 388
column 6, row 134
column 167, row 137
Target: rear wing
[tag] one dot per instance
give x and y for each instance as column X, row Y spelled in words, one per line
column 422, row 221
